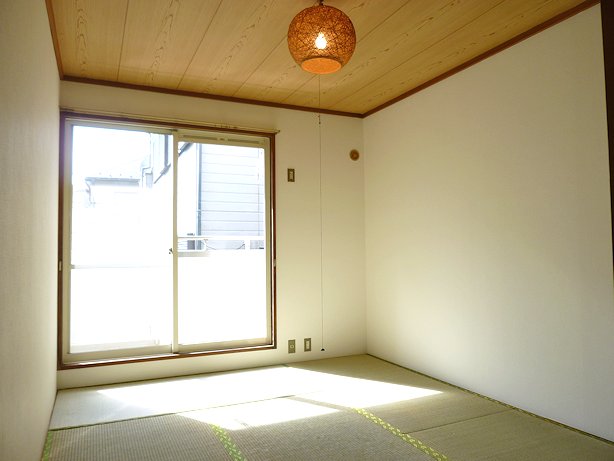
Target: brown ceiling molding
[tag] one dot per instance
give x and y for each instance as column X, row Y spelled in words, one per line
column 194, row 94
column 519, row 38
column 607, row 27
column 54, row 37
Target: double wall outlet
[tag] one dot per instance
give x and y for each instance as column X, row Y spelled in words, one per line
column 292, row 345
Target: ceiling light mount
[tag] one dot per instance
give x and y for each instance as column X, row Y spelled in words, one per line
column 321, row 39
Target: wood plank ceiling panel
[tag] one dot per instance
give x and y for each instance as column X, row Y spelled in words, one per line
column 413, row 29
column 498, row 25
column 243, row 34
column 161, row 39
column 279, row 77
column 275, row 79
column 89, row 34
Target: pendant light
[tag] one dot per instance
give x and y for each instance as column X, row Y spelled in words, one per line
column 321, row 39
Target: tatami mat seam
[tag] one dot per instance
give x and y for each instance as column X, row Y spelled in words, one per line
column 102, row 423
column 459, row 421
column 229, row 445
column 56, row 429
column 402, row 435
column 47, row 447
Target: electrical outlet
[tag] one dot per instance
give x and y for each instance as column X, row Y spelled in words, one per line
column 291, row 346
column 307, row 344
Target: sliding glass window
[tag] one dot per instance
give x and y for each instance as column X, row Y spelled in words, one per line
column 167, row 244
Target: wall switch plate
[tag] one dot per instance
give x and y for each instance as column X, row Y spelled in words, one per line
column 307, row 344
column 291, row 346
column 290, row 174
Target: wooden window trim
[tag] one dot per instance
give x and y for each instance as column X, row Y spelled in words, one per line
column 67, row 114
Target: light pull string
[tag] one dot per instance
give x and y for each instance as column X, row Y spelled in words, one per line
column 321, row 216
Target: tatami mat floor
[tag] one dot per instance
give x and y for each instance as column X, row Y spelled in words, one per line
column 349, row 408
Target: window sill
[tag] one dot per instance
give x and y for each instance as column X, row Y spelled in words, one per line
column 157, row 357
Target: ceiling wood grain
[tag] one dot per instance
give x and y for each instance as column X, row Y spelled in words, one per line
column 237, row 49
column 160, row 39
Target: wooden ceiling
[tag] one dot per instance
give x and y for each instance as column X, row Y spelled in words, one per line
column 237, row 49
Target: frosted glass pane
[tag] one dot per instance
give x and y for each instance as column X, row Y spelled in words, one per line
column 222, row 297
column 120, row 308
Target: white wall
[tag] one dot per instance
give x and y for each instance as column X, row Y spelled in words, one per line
column 299, row 307
column 489, row 257
column 29, row 94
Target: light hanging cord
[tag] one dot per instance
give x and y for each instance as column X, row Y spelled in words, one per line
column 321, row 216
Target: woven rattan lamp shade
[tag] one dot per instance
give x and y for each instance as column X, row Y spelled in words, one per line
column 321, row 39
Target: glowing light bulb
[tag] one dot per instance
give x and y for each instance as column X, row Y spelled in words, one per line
column 321, row 41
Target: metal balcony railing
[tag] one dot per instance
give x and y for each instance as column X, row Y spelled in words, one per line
column 203, row 245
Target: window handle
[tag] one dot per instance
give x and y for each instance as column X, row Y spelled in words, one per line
column 170, row 251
